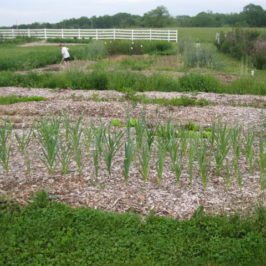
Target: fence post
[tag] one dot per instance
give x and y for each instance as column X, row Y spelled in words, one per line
column 114, row 34
column 96, row 32
column 150, row 34
column 29, row 33
column 13, row 33
column 62, row 33
column 168, row 35
column 176, row 36
column 79, row 34
column 132, row 35
column 45, row 34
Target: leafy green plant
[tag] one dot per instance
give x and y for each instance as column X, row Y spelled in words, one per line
column 112, row 142
column 47, row 132
column 129, row 152
column 193, row 144
column 76, row 135
column 203, row 162
column 23, row 141
column 262, row 162
column 176, row 158
column 65, row 151
column 98, row 134
column 144, row 156
column 222, row 142
column 161, row 160
column 249, row 149
column 5, row 146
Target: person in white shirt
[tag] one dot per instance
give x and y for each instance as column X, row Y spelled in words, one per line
column 65, row 54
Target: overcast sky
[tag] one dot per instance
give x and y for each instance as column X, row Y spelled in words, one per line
column 14, row 12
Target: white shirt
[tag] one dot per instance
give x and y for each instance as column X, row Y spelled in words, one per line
column 65, row 53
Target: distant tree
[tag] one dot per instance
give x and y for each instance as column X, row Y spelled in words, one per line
column 158, row 17
column 254, row 15
column 204, row 19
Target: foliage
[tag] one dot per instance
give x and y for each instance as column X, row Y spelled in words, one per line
column 86, row 236
column 138, row 47
column 197, row 82
column 252, row 15
column 244, row 43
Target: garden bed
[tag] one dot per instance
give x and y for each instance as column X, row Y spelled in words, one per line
column 113, row 193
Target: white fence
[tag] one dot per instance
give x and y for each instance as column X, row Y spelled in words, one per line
column 97, row 34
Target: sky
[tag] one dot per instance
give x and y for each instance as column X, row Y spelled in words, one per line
column 13, row 12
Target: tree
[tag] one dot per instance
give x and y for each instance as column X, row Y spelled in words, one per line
column 157, row 18
column 254, row 15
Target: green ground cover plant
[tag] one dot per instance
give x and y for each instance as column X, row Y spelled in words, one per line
column 18, row 99
column 46, row 232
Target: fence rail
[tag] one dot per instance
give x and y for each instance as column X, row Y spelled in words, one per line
column 97, row 34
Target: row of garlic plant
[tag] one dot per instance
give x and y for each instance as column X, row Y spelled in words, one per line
column 63, row 141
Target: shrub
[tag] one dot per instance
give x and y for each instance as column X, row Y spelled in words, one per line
column 94, row 50
column 196, row 82
column 259, row 54
column 242, row 43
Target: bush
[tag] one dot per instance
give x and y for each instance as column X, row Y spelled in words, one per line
column 242, row 43
column 259, row 54
column 93, row 51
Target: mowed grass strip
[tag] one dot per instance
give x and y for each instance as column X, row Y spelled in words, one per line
column 18, row 99
column 50, row 233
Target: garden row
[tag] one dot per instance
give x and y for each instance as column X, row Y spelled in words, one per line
column 187, row 151
column 121, row 81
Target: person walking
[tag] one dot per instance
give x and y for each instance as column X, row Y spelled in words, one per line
column 65, row 54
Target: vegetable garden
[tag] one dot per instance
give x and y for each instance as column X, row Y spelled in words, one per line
column 143, row 127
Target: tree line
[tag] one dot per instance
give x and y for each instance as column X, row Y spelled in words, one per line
column 251, row 16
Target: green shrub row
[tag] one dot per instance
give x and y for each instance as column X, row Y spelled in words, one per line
column 50, row 233
column 120, row 81
column 139, row 47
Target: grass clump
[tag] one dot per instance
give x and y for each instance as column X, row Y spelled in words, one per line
column 85, row 236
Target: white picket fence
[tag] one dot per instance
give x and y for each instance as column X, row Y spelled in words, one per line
column 97, row 34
